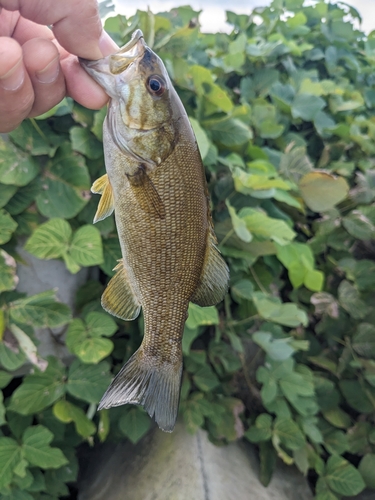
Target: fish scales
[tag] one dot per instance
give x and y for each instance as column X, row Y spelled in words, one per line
column 156, row 186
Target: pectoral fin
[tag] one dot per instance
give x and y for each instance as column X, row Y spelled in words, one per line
column 146, row 193
column 118, row 298
column 214, row 278
column 106, row 204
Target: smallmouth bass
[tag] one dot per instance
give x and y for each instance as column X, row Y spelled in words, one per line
column 156, row 186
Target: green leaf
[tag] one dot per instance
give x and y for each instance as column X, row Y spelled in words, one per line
column 11, row 360
column 36, row 449
column 40, row 310
column 261, row 430
column 8, row 268
column 67, row 412
column 111, row 254
column 307, row 106
column 2, row 410
column 100, row 324
column 337, row 417
column 343, row 477
column 321, row 191
column 7, row 226
column 39, row 390
column 86, row 246
column 349, row 299
column 201, row 136
column 258, row 223
column 271, row 309
column 268, row 461
column 295, row 384
column 366, row 468
column 239, row 225
column 104, row 425
column 336, row 442
column 314, row 280
column 5, row 378
column 10, row 456
column 323, row 492
column 93, row 350
column 6, row 194
column 299, row 260
column 65, row 186
column 364, row 340
column 243, row 289
column 230, row 132
column 88, row 382
column 256, row 180
column 28, row 347
column 85, row 142
column 289, row 433
column 16, row 167
column 86, row 341
column 277, row 349
column 205, row 379
column 359, row 226
column 204, row 84
column 269, row 389
column 50, row 240
column 97, row 128
column 201, row 316
column 23, row 198
column 356, row 396
column 134, row 424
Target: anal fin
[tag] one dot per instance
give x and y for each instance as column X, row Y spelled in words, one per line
column 107, row 203
column 118, row 298
column 214, row 278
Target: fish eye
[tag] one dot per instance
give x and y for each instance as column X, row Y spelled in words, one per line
column 156, row 85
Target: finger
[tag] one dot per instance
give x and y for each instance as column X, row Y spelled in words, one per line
column 80, row 86
column 42, row 62
column 76, row 24
column 16, row 91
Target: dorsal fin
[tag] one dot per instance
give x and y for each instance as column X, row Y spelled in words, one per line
column 214, row 277
column 107, row 203
column 118, row 298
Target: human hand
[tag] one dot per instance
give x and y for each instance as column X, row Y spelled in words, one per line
column 38, row 66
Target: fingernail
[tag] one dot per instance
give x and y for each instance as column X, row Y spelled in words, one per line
column 107, row 45
column 50, row 72
column 14, row 78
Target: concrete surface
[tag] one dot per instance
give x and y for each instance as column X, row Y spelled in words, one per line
column 180, row 466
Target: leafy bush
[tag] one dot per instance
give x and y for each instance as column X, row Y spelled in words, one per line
column 283, row 113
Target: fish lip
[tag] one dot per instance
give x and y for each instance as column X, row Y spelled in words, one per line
column 136, row 37
column 130, row 52
column 116, row 63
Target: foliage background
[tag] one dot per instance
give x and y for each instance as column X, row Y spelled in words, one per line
column 283, row 111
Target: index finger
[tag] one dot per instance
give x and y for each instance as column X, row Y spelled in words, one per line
column 75, row 23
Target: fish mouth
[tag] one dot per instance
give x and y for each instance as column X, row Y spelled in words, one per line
column 133, row 50
column 116, row 63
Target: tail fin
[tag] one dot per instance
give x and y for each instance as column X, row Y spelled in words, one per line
column 155, row 386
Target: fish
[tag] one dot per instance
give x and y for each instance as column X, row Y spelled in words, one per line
column 155, row 184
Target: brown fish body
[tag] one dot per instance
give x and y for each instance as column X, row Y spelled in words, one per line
column 159, row 194
column 164, row 256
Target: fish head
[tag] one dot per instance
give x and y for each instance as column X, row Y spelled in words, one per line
column 141, row 92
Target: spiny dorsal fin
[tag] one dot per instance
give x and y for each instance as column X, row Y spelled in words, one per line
column 106, row 204
column 146, row 193
column 118, row 298
column 214, row 278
